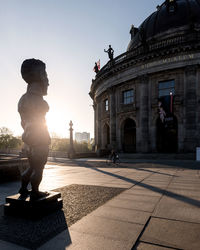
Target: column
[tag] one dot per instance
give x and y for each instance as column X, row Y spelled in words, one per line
column 190, row 101
column 71, row 151
column 144, row 115
column 95, row 123
column 112, row 118
column 98, row 126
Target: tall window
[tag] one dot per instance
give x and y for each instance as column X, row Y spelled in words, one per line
column 106, row 104
column 128, row 97
column 166, row 88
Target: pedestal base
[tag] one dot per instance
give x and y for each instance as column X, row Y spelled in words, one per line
column 33, row 210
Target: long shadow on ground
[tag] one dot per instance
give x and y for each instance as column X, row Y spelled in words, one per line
column 179, row 197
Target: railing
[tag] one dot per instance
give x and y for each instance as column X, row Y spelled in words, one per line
column 117, row 60
column 153, row 46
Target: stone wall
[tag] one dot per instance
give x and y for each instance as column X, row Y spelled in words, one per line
column 183, row 69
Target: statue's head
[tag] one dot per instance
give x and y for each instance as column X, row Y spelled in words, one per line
column 34, row 72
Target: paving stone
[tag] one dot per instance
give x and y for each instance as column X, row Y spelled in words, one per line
column 188, row 186
column 81, row 241
column 121, row 214
column 155, row 184
column 137, row 198
column 138, row 203
column 143, row 191
column 175, row 234
column 87, row 242
column 179, row 208
column 116, row 185
column 186, row 191
column 108, row 228
column 146, row 246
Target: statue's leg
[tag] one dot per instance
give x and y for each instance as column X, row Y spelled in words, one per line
column 38, row 161
column 25, row 178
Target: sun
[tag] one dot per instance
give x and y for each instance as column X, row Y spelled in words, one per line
column 57, row 124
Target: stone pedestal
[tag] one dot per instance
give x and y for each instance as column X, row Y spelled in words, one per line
column 33, row 210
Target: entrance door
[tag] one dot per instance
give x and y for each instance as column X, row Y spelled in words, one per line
column 129, row 136
column 167, row 136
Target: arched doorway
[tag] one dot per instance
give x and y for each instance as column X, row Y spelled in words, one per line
column 129, row 136
column 167, row 135
column 106, row 135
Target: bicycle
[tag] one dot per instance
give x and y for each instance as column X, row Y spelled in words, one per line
column 115, row 160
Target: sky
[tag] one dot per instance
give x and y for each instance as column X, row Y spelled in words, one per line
column 69, row 36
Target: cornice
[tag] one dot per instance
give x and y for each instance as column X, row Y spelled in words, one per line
column 128, row 62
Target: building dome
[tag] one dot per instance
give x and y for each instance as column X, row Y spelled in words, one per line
column 172, row 14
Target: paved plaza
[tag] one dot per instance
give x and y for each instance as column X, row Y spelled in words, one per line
column 158, row 209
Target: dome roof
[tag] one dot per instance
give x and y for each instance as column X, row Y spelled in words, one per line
column 171, row 14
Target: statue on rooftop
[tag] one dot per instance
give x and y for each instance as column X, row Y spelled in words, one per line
column 33, row 108
column 110, row 52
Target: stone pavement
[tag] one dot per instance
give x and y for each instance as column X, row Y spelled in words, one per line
column 160, row 208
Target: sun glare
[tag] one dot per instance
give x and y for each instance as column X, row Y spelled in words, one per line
column 57, row 125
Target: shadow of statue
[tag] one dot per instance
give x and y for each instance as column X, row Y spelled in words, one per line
column 35, row 233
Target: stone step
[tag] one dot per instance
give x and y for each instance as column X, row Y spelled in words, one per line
column 187, row 156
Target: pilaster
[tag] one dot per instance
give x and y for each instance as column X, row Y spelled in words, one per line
column 143, row 115
column 98, row 125
column 95, row 123
column 112, row 118
column 190, row 101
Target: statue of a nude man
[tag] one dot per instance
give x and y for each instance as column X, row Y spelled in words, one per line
column 32, row 108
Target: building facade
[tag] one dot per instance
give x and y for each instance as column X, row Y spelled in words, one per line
column 148, row 98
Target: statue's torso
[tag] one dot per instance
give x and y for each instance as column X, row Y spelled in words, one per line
column 32, row 109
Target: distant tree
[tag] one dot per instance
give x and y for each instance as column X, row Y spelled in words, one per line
column 59, row 144
column 62, row 144
column 81, row 147
column 5, row 131
column 54, row 135
column 7, row 140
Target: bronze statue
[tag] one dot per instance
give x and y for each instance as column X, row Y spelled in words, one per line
column 33, row 108
column 110, row 52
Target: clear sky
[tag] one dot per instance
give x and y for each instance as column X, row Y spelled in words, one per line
column 69, row 36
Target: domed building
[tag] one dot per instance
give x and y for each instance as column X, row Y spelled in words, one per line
column 148, row 98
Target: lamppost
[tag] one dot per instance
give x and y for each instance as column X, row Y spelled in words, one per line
column 71, row 151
